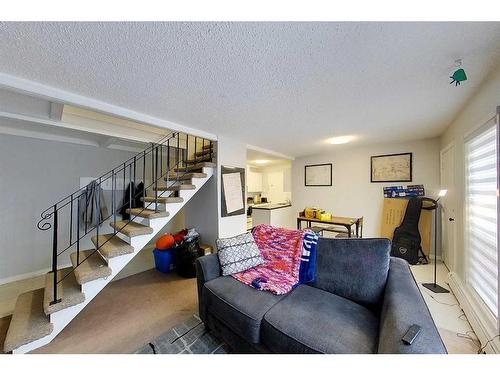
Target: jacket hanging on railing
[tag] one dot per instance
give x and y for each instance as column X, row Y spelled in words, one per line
column 137, row 192
column 89, row 205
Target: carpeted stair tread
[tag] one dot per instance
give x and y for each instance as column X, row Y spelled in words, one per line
column 147, row 213
column 68, row 290
column 29, row 322
column 197, row 166
column 131, row 228
column 112, row 246
column 164, row 200
column 176, row 187
column 187, row 176
column 92, row 266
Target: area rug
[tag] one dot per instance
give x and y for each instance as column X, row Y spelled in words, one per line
column 190, row 337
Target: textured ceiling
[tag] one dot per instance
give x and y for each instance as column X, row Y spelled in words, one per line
column 281, row 86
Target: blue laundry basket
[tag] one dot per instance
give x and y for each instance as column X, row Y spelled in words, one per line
column 164, row 260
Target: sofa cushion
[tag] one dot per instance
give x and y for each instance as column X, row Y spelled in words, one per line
column 239, row 306
column 310, row 320
column 238, row 253
column 356, row 269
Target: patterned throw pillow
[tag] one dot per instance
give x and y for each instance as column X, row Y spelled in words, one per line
column 237, row 254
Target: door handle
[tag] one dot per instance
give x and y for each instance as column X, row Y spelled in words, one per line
column 451, row 219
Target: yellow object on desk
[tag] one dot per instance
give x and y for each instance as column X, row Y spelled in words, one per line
column 325, row 216
column 310, row 212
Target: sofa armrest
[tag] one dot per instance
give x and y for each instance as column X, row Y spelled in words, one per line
column 403, row 306
column 207, row 268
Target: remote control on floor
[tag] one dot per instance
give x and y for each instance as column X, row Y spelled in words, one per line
column 411, row 334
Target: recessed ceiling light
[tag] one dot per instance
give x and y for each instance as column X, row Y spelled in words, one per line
column 340, row 140
column 261, row 161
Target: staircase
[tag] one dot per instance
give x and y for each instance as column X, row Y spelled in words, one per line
column 173, row 170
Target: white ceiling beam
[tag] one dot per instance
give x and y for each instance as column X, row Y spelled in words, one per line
column 45, row 136
column 60, row 124
column 65, row 97
column 270, row 152
column 107, row 142
column 56, row 111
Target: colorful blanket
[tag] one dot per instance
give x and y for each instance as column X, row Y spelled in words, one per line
column 281, row 249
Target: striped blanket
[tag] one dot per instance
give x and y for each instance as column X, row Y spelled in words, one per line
column 282, row 250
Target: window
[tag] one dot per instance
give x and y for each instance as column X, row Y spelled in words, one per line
column 481, row 169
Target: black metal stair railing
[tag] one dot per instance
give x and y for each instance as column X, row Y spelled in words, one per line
column 155, row 163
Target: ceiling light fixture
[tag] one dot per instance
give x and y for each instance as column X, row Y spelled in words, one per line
column 340, row 140
column 261, row 161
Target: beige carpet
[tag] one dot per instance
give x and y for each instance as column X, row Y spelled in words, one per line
column 126, row 315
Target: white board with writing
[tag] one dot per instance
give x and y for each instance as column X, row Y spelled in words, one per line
column 233, row 192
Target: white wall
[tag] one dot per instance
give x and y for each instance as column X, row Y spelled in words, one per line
column 230, row 153
column 201, row 212
column 477, row 111
column 352, row 194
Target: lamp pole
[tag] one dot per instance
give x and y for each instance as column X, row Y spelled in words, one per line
column 434, row 287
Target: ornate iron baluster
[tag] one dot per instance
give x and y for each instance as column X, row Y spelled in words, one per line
column 54, row 258
column 195, row 149
column 78, row 234
column 98, row 213
column 177, row 161
column 113, row 199
column 187, row 151
column 144, row 178
column 71, row 221
column 156, row 179
column 130, row 192
column 168, row 159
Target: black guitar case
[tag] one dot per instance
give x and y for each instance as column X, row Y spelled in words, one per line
column 406, row 240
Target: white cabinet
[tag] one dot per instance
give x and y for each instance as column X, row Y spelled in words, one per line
column 254, row 181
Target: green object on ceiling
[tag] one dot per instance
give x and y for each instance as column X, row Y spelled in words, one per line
column 458, row 76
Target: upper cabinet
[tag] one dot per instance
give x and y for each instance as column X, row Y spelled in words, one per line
column 254, row 181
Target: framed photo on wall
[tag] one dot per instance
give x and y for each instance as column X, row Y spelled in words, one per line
column 318, row 175
column 391, row 168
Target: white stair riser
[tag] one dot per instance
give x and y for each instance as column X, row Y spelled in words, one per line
column 62, row 318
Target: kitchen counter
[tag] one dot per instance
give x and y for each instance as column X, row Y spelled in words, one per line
column 270, row 206
column 275, row 214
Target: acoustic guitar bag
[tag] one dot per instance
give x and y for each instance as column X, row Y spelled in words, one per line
column 406, row 240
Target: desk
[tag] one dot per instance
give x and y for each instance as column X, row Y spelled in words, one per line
column 346, row 222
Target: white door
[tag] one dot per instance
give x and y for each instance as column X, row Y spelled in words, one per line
column 448, row 207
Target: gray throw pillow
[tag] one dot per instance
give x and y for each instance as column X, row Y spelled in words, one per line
column 237, row 254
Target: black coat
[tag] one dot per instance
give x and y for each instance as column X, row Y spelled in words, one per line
column 137, row 192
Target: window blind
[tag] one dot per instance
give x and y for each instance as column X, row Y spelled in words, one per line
column 481, row 156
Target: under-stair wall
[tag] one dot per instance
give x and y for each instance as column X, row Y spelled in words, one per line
column 30, row 168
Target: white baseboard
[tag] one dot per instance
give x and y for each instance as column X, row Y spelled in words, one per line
column 481, row 323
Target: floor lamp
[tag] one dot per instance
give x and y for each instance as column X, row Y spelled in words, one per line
column 434, row 287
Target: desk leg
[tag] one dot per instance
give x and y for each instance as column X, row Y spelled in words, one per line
column 349, row 232
column 298, row 224
column 357, row 229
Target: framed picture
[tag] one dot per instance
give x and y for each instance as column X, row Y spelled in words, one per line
column 391, row 168
column 318, row 175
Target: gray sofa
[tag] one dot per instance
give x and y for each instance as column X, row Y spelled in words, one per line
column 363, row 301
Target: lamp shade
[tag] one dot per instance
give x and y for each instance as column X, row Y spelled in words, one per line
column 442, row 193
